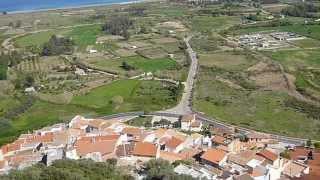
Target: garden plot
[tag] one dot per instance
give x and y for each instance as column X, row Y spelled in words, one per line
column 43, row 64
column 153, row 53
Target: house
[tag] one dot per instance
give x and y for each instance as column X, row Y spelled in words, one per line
column 29, row 90
column 145, row 149
column 189, row 123
column 174, row 145
column 4, row 166
column 92, row 51
column 98, row 148
column 214, row 157
column 259, row 139
column 197, row 173
column 271, row 157
column 186, row 121
column 295, row 169
column 170, row 156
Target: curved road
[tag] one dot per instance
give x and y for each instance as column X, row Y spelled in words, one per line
column 184, row 106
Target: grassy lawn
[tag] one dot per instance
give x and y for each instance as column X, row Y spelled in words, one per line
column 209, row 23
column 294, row 59
column 260, row 110
column 151, row 65
column 36, row 39
column 226, row 60
column 39, row 115
column 138, row 62
column 307, row 43
column 134, row 95
column 86, row 35
column 82, row 36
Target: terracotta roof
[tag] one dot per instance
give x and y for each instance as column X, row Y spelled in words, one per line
column 219, row 139
column 160, row 132
column 188, row 118
column 195, row 124
column 145, row 149
column 214, row 155
column 244, row 176
column 189, row 153
column 100, row 138
column 268, row 155
column 2, row 164
column 15, row 146
column 124, row 149
column 48, row 137
column 256, row 172
column 169, row 156
column 294, row 169
column 132, row 131
column 177, row 134
column 242, row 158
column 173, row 142
column 104, row 147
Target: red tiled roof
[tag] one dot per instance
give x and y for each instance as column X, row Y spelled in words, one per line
column 2, row 164
column 132, row 131
column 268, row 155
column 48, row 137
column 218, row 139
column 104, row 147
column 195, row 124
column 169, row 156
column 11, row 147
column 214, row 155
column 145, row 149
column 173, row 142
column 188, row 118
column 100, row 138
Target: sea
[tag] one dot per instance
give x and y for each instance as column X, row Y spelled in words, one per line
column 14, row 6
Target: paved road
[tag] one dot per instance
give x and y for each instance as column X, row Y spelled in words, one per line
column 184, row 106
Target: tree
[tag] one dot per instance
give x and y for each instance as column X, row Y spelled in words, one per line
column 18, row 24
column 57, row 46
column 285, row 154
column 206, row 130
column 127, row 66
column 70, row 169
column 317, row 145
column 118, row 25
column 309, row 143
column 158, row 169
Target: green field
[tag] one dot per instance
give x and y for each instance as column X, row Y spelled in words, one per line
column 138, row 62
column 227, row 60
column 307, row 43
column 82, row 36
column 39, row 115
column 260, row 110
column 85, row 35
column 209, row 23
column 135, row 96
column 295, row 59
column 36, row 39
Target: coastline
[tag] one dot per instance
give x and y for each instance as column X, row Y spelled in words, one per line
column 77, row 7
